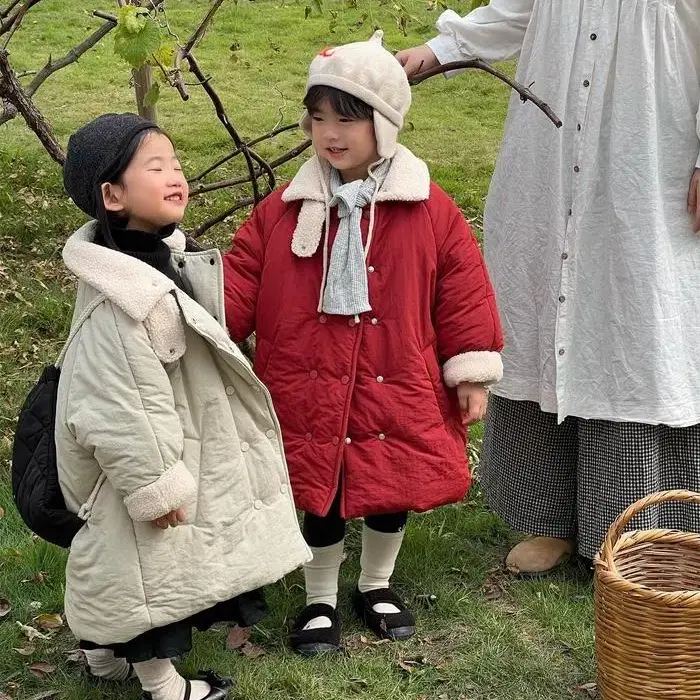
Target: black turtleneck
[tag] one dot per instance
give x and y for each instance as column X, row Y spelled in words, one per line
column 142, row 245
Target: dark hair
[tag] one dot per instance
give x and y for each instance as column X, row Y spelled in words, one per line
column 113, row 175
column 345, row 104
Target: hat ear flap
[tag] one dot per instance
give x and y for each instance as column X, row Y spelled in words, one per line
column 386, row 133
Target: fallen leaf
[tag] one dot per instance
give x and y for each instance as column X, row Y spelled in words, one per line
column 41, row 669
column 237, row 637
column 252, row 651
column 5, row 607
column 406, row 667
column 589, row 689
column 30, row 633
column 492, row 590
column 2, row 513
column 49, row 621
column 26, row 651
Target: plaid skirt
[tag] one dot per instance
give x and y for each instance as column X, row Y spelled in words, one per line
column 574, row 479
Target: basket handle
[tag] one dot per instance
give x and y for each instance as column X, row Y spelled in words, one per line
column 624, row 519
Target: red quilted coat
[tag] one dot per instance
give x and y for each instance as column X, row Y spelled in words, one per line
column 366, row 406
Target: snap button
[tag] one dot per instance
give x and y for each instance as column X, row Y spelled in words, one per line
column 322, row 318
column 347, row 440
column 271, row 433
column 562, row 351
column 336, row 440
column 283, row 488
column 370, row 268
column 245, row 447
column 181, row 264
column 380, row 379
column 382, row 436
column 308, row 437
column 345, row 379
column 258, row 504
column 375, row 321
column 212, row 261
column 230, row 391
column 313, row 374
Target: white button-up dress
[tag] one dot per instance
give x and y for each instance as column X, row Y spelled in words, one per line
column 587, row 234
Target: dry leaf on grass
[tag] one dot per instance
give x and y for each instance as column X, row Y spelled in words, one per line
column 26, row 651
column 30, row 633
column 49, row 621
column 252, row 651
column 41, row 669
column 237, row 637
column 5, row 607
column 492, row 590
column 588, row 689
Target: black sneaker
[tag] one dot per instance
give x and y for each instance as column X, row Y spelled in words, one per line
column 321, row 640
column 399, row 625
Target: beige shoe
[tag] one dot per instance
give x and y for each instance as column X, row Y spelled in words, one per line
column 539, row 555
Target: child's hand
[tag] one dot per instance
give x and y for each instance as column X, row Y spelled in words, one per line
column 694, row 199
column 473, row 399
column 171, row 519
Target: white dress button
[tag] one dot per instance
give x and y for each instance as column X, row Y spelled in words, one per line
column 348, row 441
column 245, row 447
column 380, row 379
column 283, row 488
column 258, row 504
column 271, row 433
column 230, row 391
column 382, row 436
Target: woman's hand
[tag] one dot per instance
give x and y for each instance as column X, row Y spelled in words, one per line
column 417, row 60
column 171, row 519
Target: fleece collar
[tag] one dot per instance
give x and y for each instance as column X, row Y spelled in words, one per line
column 408, row 180
column 132, row 285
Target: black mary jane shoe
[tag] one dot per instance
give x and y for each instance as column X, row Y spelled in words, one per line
column 321, row 640
column 399, row 625
column 220, row 685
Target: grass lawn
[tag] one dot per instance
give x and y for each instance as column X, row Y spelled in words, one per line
column 481, row 635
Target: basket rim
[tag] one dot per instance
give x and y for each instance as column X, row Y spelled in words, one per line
column 608, row 575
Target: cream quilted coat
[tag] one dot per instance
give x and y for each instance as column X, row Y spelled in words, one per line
column 158, row 409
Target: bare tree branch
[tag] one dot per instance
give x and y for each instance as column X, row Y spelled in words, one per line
column 477, row 63
column 11, row 90
column 14, row 19
column 4, row 13
column 223, row 184
column 233, row 154
column 206, row 225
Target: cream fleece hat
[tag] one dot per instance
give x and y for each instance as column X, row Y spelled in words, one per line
column 366, row 70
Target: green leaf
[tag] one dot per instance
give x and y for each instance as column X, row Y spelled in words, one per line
column 132, row 19
column 151, row 97
column 165, row 54
column 136, row 48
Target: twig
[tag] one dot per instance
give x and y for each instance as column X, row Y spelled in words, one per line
column 199, row 31
column 71, row 57
column 206, row 225
column 233, row 154
column 525, row 94
column 223, row 118
column 223, row 184
column 11, row 90
column 105, row 15
column 9, row 8
column 52, row 66
column 12, row 22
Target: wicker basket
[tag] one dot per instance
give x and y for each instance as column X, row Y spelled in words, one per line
column 647, row 609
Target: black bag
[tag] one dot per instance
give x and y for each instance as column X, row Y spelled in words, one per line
column 35, row 486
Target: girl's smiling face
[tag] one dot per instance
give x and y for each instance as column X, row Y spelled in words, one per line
column 347, row 143
column 152, row 192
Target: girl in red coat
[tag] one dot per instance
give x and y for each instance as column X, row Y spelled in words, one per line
column 377, row 333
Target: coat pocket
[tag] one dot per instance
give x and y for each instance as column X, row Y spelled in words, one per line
column 432, row 369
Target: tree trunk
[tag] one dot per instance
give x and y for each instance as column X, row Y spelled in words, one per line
column 143, row 81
